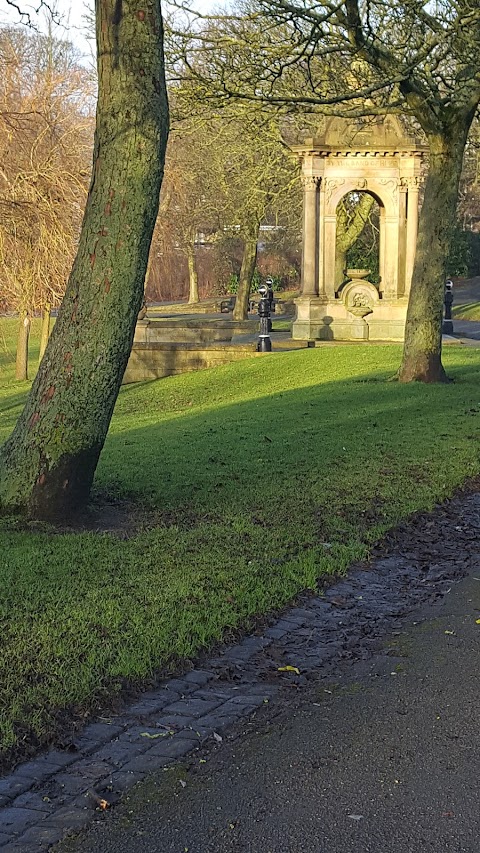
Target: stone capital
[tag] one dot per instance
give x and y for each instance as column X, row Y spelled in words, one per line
column 412, row 183
column 311, row 182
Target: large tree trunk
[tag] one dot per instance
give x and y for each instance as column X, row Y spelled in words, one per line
column 21, row 363
column 47, row 465
column 422, row 352
column 249, row 259
column 192, row 274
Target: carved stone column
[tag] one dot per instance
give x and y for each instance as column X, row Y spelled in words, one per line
column 391, row 257
column 413, row 185
column 328, row 228
column 402, row 232
column 390, row 239
column 381, row 249
column 310, row 231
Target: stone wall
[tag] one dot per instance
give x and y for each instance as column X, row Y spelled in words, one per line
column 186, row 330
column 155, row 360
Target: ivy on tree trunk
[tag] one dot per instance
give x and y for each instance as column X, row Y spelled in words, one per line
column 48, row 464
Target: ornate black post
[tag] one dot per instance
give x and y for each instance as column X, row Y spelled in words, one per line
column 270, row 296
column 447, row 325
column 264, row 341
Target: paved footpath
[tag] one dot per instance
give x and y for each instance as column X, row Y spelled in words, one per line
column 371, row 745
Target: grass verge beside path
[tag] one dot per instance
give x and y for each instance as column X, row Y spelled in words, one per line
column 256, row 479
column 468, row 311
column 8, row 344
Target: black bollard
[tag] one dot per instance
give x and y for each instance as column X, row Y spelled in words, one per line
column 264, row 341
column 447, row 325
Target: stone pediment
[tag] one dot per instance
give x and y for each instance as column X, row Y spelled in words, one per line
column 377, row 134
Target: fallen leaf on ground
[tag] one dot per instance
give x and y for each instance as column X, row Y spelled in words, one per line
column 183, row 783
column 217, row 737
column 154, row 737
column 100, row 802
column 450, row 633
column 289, row 669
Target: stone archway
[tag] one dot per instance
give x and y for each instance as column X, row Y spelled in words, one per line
column 358, row 221
column 374, row 157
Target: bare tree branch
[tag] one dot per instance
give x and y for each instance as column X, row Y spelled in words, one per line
column 25, row 17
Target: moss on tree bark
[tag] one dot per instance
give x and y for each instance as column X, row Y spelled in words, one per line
column 422, row 352
column 47, row 465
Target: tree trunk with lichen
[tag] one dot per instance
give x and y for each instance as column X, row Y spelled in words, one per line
column 48, row 464
column 249, row 260
column 422, row 352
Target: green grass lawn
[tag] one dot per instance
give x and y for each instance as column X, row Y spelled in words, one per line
column 255, row 479
column 468, row 311
column 281, row 325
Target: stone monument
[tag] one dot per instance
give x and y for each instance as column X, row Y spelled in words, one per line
column 377, row 157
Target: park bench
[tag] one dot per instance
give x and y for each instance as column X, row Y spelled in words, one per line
column 227, row 305
column 253, row 304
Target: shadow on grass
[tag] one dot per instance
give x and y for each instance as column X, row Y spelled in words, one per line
column 335, row 444
column 12, row 400
column 256, row 486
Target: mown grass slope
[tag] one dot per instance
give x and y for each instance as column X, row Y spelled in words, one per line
column 251, row 481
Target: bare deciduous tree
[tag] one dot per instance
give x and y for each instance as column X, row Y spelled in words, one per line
column 46, row 130
column 357, row 59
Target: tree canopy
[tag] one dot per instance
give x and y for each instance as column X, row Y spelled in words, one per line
column 359, row 59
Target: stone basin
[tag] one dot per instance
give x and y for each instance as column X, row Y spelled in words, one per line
column 357, row 273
